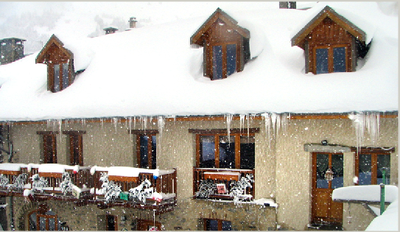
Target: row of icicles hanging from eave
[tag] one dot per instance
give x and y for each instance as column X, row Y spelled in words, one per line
column 273, row 122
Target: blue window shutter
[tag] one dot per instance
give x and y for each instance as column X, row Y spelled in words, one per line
column 217, row 62
column 321, row 60
column 339, row 59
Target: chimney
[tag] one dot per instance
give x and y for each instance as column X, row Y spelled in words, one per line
column 110, row 30
column 287, row 5
column 11, row 49
column 132, row 22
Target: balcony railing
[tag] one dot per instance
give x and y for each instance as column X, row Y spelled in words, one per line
column 85, row 185
column 216, row 183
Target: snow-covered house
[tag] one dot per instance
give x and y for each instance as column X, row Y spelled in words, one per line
column 145, row 136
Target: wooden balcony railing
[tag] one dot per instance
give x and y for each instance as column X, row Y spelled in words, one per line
column 86, row 182
column 220, row 183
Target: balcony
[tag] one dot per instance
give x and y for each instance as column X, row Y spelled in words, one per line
column 105, row 186
column 226, row 184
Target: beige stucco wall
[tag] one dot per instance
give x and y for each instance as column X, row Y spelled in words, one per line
column 293, row 165
column 283, row 168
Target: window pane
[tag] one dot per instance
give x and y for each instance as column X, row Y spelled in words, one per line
column 207, row 151
column 227, row 152
column 322, row 166
column 231, row 58
column 153, row 152
column 217, row 62
column 65, row 76
column 56, row 77
column 144, row 157
column 226, row 225
column 212, row 224
column 364, row 170
column 339, row 59
column 247, row 152
column 322, row 60
column 42, row 224
column 383, row 161
column 337, row 168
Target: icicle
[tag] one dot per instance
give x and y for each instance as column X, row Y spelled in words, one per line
column 60, row 128
column 267, row 124
column 372, row 124
column 48, row 123
column 248, row 125
column 115, row 122
column 144, row 122
column 228, row 126
column 130, row 124
column 241, row 121
column 278, row 123
column 358, row 124
column 160, row 123
column 102, row 123
column 83, row 121
column 273, row 121
column 285, row 122
column 134, row 122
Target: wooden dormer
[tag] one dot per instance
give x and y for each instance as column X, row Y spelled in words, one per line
column 225, row 45
column 331, row 43
column 60, row 64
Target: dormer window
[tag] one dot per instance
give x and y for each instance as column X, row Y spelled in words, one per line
column 225, row 45
column 331, row 43
column 59, row 61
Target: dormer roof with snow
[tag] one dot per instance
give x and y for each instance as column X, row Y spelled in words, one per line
column 327, row 12
column 226, row 45
column 59, row 60
column 331, row 43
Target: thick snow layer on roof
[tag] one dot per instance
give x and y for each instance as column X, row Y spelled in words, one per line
column 369, row 193
column 153, row 70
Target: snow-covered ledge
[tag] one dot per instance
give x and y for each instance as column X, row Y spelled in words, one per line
column 312, row 147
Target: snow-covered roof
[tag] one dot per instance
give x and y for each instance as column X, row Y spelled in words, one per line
column 153, row 70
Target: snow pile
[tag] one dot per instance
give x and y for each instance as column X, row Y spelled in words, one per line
column 121, row 68
column 388, row 221
column 368, row 193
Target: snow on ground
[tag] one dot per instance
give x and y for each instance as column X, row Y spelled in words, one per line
column 153, row 70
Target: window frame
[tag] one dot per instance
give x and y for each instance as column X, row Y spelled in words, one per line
column 205, row 220
column 330, row 49
column 374, row 152
column 49, row 145
column 63, row 80
column 237, row 133
column 149, row 133
column 75, row 147
column 224, row 56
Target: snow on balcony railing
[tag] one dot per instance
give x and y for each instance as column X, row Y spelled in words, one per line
column 222, row 183
column 136, row 184
column 42, row 178
column 98, row 183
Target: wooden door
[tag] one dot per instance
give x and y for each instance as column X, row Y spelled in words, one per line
column 324, row 210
